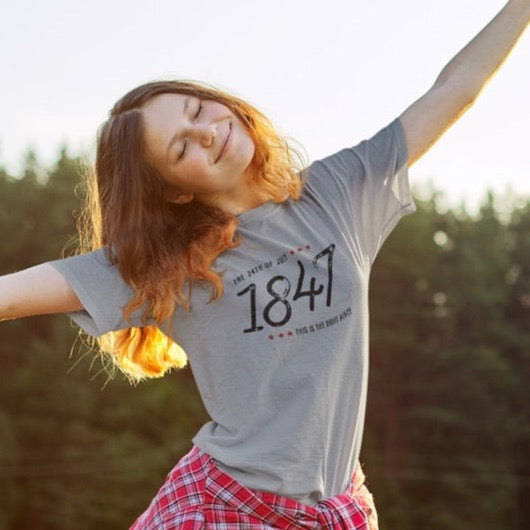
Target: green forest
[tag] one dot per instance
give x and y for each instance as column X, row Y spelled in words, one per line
column 447, row 433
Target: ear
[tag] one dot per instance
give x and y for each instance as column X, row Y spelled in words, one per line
column 178, row 197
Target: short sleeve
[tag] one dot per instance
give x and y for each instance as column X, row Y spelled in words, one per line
column 102, row 291
column 367, row 185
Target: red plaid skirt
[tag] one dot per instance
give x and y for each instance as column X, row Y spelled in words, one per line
column 198, row 495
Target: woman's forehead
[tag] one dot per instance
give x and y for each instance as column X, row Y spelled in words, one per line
column 161, row 115
column 163, row 104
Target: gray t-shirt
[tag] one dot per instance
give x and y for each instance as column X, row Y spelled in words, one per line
column 281, row 361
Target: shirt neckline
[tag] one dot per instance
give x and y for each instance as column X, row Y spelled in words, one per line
column 256, row 214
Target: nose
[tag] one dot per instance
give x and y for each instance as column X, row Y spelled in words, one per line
column 204, row 133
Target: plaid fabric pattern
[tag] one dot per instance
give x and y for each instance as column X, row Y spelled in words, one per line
column 198, row 495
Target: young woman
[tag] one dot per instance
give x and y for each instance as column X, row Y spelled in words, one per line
column 205, row 234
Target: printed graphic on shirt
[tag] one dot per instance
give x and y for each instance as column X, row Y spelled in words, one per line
column 272, row 302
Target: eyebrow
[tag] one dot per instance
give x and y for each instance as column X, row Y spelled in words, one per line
column 176, row 136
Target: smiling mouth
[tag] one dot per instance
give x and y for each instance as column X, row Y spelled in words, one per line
column 225, row 143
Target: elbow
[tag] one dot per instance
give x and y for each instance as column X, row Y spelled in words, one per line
column 465, row 102
column 7, row 311
column 459, row 90
column 455, row 98
column 468, row 97
column 6, row 308
column 10, row 302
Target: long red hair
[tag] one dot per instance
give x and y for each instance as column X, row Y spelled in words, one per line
column 162, row 248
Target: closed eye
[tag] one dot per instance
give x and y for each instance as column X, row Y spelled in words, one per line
column 199, row 110
column 185, row 144
column 182, row 151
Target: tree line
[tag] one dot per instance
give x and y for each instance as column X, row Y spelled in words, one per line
column 447, row 432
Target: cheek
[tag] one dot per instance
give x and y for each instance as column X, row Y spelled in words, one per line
column 247, row 143
column 194, row 169
column 242, row 150
column 248, row 152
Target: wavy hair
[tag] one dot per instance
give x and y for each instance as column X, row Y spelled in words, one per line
column 161, row 248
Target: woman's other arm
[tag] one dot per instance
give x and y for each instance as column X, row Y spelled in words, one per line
column 38, row 290
column 461, row 81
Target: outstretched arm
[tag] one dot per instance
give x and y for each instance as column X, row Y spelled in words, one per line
column 36, row 291
column 461, row 81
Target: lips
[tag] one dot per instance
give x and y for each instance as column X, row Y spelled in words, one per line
column 225, row 143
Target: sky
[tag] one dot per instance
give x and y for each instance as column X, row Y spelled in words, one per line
column 328, row 74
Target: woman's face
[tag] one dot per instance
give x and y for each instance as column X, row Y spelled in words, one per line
column 200, row 147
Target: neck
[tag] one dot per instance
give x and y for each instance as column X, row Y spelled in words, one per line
column 238, row 205
column 237, row 201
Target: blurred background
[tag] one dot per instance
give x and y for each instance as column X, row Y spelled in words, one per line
column 447, row 434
